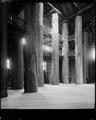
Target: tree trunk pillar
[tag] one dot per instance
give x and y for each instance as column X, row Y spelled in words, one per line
column 39, row 39
column 78, row 51
column 33, row 54
column 65, row 50
column 55, row 53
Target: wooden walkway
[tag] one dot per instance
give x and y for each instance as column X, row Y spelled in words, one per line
column 60, row 96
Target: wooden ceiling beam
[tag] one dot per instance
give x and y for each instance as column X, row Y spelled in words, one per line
column 59, row 7
column 62, row 10
column 80, row 11
column 56, row 10
column 48, row 13
column 75, row 4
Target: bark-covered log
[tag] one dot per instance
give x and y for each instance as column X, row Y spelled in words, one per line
column 33, row 54
column 55, row 53
column 78, row 51
column 39, row 42
column 3, row 21
column 65, row 50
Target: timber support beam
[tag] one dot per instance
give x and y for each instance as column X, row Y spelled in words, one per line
column 55, row 53
column 65, row 51
column 39, row 42
column 78, row 51
column 31, row 48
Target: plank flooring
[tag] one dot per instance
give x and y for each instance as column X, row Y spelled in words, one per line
column 60, row 96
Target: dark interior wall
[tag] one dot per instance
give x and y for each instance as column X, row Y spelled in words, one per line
column 71, row 26
column 90, row 77
column 91, row 62
column 14, row 36
column 71, row 69
column 91, row 72
column 60, row 69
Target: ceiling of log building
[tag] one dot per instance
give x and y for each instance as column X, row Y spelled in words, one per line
column 66, row 11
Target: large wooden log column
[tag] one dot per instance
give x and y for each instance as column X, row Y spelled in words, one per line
column 3, row 17
column 33, row 54
column 55, row 53
column 78, row 51
column 39, row 39
column 65, row 50
column 85, row 49
column 16, row 82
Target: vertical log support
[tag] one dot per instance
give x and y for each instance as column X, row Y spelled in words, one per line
column 39, row 39
column 78, row 51
column 3, row 87
column 33, row 54
column 65, row 50
column 85, row 51
column 55, row 47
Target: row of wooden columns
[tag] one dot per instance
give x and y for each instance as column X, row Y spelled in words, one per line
column 79, row 79
column 33, row 52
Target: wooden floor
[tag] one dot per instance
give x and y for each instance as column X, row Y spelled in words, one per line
column 60, row 96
